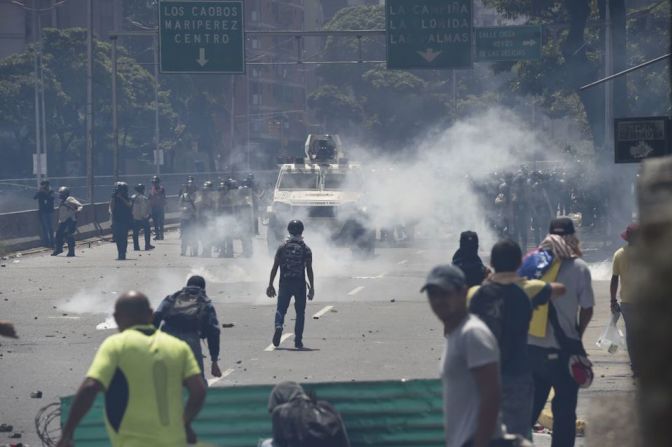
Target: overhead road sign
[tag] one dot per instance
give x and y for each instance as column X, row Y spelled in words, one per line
column 636, row 139
column 507, row 43
column 201, row 37
column 429, row 33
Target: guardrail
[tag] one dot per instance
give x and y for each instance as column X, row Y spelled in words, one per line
column 21, row 230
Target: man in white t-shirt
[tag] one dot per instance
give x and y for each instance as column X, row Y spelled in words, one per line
column 469, row 366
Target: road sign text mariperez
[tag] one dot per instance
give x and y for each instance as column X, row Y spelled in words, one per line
column 201, row 36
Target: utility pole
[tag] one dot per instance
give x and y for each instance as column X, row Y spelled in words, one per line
column 89, row 101
column 38, row 137
column 157, row 157
column 115, row 122
column 608, row 87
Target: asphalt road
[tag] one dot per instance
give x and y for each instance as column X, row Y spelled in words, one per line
column 373, row 323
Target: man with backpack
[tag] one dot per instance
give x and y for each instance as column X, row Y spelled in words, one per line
column 302, row 421
column 295, row 260
column 189, row 315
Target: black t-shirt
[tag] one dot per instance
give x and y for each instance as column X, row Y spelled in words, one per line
column 293, row 257
column 507, row 311
column 45, row 201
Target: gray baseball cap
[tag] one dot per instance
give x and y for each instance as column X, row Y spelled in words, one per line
column 446, row 277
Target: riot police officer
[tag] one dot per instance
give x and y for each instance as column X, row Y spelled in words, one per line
column 245, row 219
column 188, row 213
column 68, row 208
column 122, row 218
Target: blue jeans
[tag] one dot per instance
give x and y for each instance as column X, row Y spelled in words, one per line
column 46, row 223
column 629, row 314
column 517, row 398
column 550, row 370
column 292, row 288
column 158, row 217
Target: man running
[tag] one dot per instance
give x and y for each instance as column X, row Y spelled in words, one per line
column 142, row 372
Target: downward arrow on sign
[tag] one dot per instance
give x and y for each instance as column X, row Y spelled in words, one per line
column 429, row 54
column 201, row 57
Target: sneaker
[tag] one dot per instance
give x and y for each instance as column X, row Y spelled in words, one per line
column 70, row 255
column 57, row 252
column 149, row 247
column 276, row 336
column 298, row 344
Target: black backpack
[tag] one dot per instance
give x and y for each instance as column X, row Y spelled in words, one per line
column 305, row 422
column 186, row 309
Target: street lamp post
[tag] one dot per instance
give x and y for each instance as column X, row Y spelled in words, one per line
column 115, row 122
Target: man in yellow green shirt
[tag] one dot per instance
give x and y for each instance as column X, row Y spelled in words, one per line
column 142, row 372
column 621, row 274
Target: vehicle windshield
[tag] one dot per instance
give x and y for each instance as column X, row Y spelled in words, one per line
column 298, row 180
column 342, row 181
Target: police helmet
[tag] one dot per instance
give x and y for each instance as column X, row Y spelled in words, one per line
column 121, row 187
column 64, row 191
column 221, row 186
column 140, row 188
column 207, row 185
column 295, row 228
column 231, row 183
column 156, row 179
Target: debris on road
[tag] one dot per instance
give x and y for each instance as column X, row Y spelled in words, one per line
column 228, row 325
column 393, row 300
column 36, row 395
column 5, row 428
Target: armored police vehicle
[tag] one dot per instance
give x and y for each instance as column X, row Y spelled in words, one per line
column 324, row 190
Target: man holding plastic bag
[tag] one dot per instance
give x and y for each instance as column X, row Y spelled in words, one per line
column 622, row 274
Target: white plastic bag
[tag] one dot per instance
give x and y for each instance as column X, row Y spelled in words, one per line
column 612, row 339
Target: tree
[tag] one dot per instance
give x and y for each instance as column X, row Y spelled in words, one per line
column 382, row 105
column 573, row 51
column 64, row 66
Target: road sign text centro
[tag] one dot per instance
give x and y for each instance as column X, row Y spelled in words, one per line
column 201, row 36
column 429, row 33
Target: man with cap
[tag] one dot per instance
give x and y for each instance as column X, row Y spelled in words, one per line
column 549, row 357
column 622, row 273
column 469, row 365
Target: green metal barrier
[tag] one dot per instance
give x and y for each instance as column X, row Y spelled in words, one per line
column 380, row 414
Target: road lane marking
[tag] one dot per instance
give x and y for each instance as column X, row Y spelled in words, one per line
column 369, row 277
column 322, row 312
column 64, row 317
column 226, row 373
column 402, row 262
column 270, row 347
column 355, row 291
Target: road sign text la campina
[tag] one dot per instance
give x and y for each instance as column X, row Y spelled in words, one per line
column 428, row 33
column 201, row 36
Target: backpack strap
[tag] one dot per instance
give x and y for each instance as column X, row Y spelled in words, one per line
column 571, row 346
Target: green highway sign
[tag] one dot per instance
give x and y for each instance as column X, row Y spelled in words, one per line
column 507, row 43
column 201, row 36
column 428, row 33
